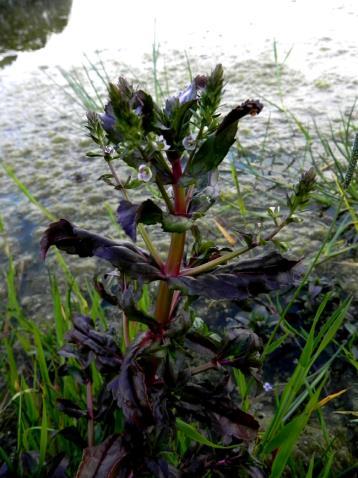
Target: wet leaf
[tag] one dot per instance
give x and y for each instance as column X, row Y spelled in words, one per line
column 240, row 280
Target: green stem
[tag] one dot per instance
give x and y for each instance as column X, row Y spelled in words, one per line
column 165, row 196
column 194, row 271
column 176, row 251
column 231, row 255
column 203, row 368
column 150, row 246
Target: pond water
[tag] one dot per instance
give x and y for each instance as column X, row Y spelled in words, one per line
column 41, row 136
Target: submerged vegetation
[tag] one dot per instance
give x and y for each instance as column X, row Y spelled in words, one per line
column 153, row 389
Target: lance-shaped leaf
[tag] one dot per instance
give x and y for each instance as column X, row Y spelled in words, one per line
column 209, row 403
column 123, row 255
column 104, row 460
column 123, row 457
column 93, row 344
column 127, row 298
column 216, row 146
column 239, row 349
column 70, row 408
column 129, row 388
column 240, row 280
column 129, row 215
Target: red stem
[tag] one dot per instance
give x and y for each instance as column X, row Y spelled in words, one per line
column 176, row 248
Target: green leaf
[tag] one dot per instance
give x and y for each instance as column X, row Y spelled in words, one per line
column 275, row 344
column 172, row 223
column 214, row 149
column 191, row 432
column 288, row 436
column 212, row 152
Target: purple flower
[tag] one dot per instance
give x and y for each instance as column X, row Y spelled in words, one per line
column 267, row 387
column 144, row 173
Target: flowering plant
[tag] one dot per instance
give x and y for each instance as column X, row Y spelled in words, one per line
column 173, row 379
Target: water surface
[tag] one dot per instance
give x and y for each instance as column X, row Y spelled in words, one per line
column 40, row 127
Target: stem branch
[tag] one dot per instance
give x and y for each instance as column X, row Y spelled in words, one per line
column 202, row 368
column 231, row 255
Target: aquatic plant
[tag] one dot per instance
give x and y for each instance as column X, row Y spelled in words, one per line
column 173, row 377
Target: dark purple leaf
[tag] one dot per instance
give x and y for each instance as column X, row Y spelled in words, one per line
column 249, row 107
column 4, row 471
column 70, row 408
column 125, row 256
column 162, row 469
column 73, row 435
column 144, row 106
column 104, row 460
column 202, row 344
column 57, row 466
column 211, row 405
column 93, row 344
column 129, row 215
column 100, row 288
column 108, row 121
column 239, row 343
column 129, row 388
column 240, row 280
column 137, row 315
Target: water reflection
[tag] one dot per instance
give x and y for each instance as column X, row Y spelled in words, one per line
column 26, row 25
